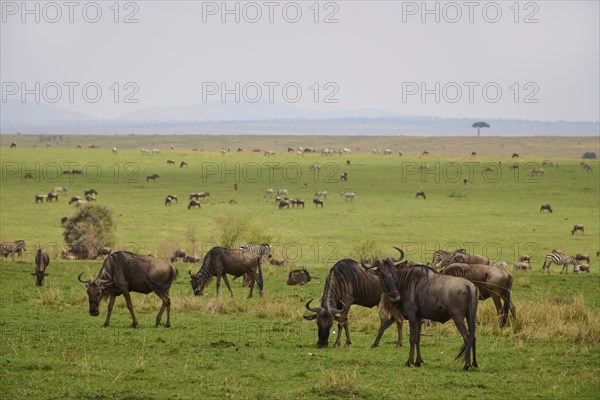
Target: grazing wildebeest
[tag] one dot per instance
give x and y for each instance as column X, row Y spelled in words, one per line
column 317, row 202
column 344, row 176
column 124, row 272
column 297, row 202
column 442, row 258
column 582, row 257
column 89, row 192
column 522, row 266
column 64, row 220
column 419, row 292
column 559, row 258
column 13, row 145
column 425, row 153
column 74, row 199
column 491, row 281
column 421, row 194
column 42, row 259
column 473, row 154
column 170, row 162
column 191, row 259
column 576, row 228
column 39, row 198
column 349, row 283
column 178, row 253
column 52, row 196
column 183, row 164
column 284, row 203
column 220, row 261
column 547, row 163
column 525, row 257
column 465, row 258
column 515, row 155
column 298, row 277
column 173, row 197
column 193, row 203
column 168, row 200
column 152, row 178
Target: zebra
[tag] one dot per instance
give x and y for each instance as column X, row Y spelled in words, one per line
column 441, row 257
column 560, row 259
column 260, row 249
column 17, row 247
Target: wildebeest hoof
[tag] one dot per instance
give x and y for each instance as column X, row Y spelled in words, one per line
column 134, row 325
column 408, row 364
column 167, row 325
column 105, row 325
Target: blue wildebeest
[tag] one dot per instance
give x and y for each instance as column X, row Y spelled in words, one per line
column 298, row 277
column 349, row 283
column 124, row 272
column 220, row 261
column 491, row 281
column 418, row 292
column 42, row 259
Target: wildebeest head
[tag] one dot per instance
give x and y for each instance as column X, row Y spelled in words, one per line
column 325, row 318
column 387, row 271
column 96, row 290
column 198, row 281
column 39, row 275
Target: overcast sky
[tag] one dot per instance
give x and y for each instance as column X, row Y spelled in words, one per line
column 532, row 60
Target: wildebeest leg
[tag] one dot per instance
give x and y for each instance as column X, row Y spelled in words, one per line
column 460, row 325
column 346, row 326
column 127, row 296
column 339, row 334
column 226, row 284
column 111, row 303
column 419, row 360
column 499, row 312
column 166, row 304
column 413, row 340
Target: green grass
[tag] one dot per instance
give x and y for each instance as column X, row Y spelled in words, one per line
column 262, row 348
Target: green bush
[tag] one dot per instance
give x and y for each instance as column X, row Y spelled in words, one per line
column 235, row 230
column 89, row 228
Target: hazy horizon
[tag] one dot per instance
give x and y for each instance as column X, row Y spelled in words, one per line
column 534, row 61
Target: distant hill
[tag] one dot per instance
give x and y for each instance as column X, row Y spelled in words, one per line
column 268, row 119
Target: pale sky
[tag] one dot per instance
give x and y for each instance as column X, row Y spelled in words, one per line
column 378, row 55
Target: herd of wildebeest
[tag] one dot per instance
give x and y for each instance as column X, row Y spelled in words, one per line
column 447, row 288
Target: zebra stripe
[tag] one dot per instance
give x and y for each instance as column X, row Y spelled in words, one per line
column 560, row 259
column 443, row 257
column 260, row 250
column 7, row 248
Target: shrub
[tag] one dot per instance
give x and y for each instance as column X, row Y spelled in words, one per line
column 365, row 247
column 89, row 228
column 235, row 230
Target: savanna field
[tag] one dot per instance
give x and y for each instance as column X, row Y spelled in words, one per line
column 262, row 348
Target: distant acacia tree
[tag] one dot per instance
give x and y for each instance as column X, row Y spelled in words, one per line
column 480, row 125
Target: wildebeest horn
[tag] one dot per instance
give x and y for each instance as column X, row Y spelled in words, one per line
column 190, row 272
column 336, row 311
column 401, row 255
column 79, row 278
column 315, row 310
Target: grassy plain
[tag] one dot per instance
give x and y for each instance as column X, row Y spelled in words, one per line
column 262, row 348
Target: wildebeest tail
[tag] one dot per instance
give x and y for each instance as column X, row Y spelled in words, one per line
column 472, row 299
